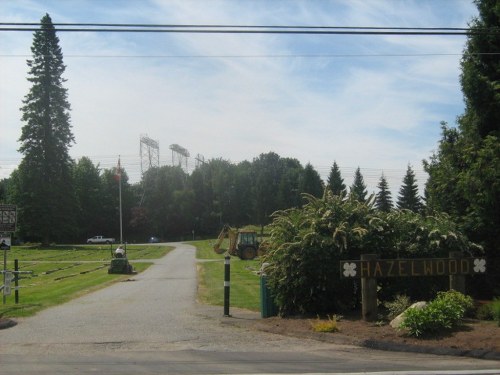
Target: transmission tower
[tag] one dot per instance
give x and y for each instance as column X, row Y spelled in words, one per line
column 179, row 156
column 150, row 153
column 199, row 160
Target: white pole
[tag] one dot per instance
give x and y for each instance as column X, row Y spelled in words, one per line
column 120, row 198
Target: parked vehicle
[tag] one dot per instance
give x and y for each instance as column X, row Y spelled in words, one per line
column 100, row 239
column 242, row 243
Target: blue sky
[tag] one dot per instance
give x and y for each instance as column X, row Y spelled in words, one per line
column 369, row 101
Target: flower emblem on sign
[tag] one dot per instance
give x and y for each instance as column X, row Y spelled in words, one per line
column 480, row 265
column 349, row 269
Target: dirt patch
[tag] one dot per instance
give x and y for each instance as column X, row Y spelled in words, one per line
column 474, row 336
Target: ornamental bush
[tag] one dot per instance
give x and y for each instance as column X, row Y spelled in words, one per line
column 495, row 309
column 445, row 312
column 306, row 245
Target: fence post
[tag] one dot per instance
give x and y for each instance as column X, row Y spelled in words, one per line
column 369, row 292
column 227, row 277
column 457, row 282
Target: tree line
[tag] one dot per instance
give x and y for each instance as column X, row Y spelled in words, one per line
column 172, row 204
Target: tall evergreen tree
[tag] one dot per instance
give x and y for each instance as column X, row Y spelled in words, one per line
column 46, row 200
column 408, row 193
column 464, row 174
column 383, row 199
column 358, row 188
column 335, row 181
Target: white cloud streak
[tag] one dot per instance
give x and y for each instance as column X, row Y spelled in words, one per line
column 377, row 112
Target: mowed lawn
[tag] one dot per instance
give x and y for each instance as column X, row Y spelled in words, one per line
column 65, row 272
column 245, row 280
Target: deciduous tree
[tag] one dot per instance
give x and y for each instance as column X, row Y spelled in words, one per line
column 463, row 173
column 310, row 182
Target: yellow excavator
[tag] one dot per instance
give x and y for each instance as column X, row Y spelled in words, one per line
column 242, row 243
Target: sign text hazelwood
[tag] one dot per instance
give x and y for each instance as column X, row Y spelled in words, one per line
column 411, row 267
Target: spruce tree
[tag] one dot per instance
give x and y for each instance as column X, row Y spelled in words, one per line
column 335, row 181
column 408, row 193
column 383, row 200
column 46, row 200
column 358, row 188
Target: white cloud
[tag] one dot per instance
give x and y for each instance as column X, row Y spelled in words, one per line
column 376, row 112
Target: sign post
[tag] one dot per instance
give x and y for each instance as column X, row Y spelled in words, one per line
column 369, row 292
column 8, row 220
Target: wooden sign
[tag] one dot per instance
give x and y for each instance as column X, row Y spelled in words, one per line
column 411, row 267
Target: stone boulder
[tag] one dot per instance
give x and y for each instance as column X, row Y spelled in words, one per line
column 396, row 322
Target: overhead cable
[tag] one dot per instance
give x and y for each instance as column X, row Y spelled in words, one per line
column 246, row 29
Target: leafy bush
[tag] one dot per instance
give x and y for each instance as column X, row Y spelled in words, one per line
column 445, row 312
column 495, row 309
column 455, row 298
column 484, row 312
column 397, row 306
column 306, row 245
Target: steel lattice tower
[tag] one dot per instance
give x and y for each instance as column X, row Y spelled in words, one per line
column 179, row 156
column 150, row 154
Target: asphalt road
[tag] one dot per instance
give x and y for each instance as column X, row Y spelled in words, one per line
column 152, row 324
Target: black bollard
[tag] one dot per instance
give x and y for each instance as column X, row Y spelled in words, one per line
column 227, row 276
column 16, row 281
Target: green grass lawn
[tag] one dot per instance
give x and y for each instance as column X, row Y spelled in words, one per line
column 65, row 272
column 245, row 283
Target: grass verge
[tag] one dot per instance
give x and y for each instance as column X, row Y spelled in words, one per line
column 62, row 274
column 245, row 282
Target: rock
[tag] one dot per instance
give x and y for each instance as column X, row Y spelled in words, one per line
column 396, row 322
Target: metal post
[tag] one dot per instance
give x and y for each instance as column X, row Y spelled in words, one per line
column 227, row 276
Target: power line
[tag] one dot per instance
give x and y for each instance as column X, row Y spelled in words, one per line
column 267, row 56
column 246, row 29
column 207, row 26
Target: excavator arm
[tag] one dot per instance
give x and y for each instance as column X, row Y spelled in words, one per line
column 218, row 243
column 230, row 233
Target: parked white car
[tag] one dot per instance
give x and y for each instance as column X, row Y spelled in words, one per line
column 100, row 239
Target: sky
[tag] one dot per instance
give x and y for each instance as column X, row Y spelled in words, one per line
column 373, row 101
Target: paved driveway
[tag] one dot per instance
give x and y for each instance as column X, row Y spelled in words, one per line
column 152, row 324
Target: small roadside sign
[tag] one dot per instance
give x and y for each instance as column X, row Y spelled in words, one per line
column 4, row 242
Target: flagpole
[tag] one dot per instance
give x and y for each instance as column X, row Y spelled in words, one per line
column 120, row 198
